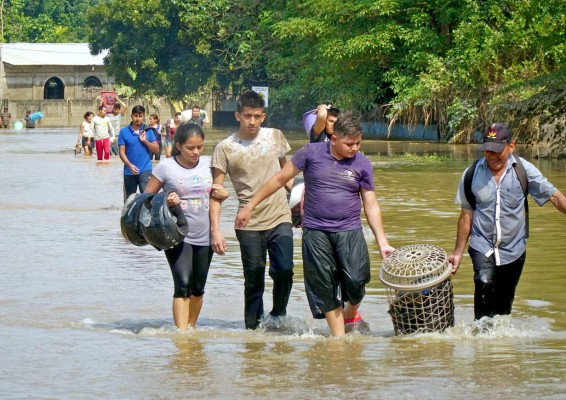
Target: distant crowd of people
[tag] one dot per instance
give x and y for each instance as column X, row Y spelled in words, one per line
column 99, row 134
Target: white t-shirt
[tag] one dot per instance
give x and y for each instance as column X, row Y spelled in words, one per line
column 193, row 187
column 102, row 127
column 186, row 115
column 116, row 121
column 88, row 129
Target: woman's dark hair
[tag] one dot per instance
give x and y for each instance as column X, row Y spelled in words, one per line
column 184, row 132
column 88, row 114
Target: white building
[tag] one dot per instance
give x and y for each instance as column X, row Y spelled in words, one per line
column 50, row 71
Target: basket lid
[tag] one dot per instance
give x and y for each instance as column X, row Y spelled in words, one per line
column 415, row 267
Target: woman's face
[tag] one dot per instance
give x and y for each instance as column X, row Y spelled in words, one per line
column 191, row 150
column 89, row 118
column 152, row 121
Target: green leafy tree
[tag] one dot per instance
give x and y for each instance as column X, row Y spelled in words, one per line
column 45, row 21
column 148, row 49
column 460, row 64
column 236, row 34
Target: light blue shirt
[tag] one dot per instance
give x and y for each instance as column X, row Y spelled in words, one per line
column 498, row 224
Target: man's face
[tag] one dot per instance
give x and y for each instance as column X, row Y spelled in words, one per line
column 497, row 161
column 102, row 112
column 346, row 147
column 138, row 118
column 250, row 120
column 115, row 111
column 330, row 120
column 196, row 112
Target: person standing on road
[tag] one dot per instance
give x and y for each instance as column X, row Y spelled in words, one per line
column 188, row 179
column 103, row 132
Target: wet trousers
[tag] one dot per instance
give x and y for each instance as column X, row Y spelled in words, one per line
column 189, row 266
column 494, row 284
column 102, row 149
column 133, row 182
column 114, row 149
column 254, row 247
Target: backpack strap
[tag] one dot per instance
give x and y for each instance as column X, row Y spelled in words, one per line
column 468, row 184
column 522, row 176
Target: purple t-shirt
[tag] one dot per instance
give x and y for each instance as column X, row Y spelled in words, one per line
column 332, row 187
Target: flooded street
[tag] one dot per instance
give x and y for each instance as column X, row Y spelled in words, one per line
column 84, row 314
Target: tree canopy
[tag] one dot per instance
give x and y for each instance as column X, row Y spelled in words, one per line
column 44, row 21
column 460, row 64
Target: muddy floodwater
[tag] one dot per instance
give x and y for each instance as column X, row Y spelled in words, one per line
column 84, row 314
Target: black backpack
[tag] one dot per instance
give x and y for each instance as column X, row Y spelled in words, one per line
column 521, row 175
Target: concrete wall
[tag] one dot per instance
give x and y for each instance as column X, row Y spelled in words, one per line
column 22, row 89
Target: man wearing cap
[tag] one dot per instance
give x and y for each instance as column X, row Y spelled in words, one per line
column 496, row 226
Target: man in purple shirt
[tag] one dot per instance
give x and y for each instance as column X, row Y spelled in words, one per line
column 338, row 180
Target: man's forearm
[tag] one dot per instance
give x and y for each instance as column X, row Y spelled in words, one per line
column 214, row 213
column 463, row 232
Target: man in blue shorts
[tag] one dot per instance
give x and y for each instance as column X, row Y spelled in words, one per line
column 136, row 145
column 335, row 253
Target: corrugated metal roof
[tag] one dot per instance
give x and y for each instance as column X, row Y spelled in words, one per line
column 49, row 54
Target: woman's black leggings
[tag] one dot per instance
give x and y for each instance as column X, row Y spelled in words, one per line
column 189, row 267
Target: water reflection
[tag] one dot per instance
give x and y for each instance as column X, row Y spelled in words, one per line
column 190, row 362
column 337, row 363
column 262, row 366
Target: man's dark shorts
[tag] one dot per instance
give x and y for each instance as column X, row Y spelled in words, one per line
column 336, row 268
column 84, row 142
